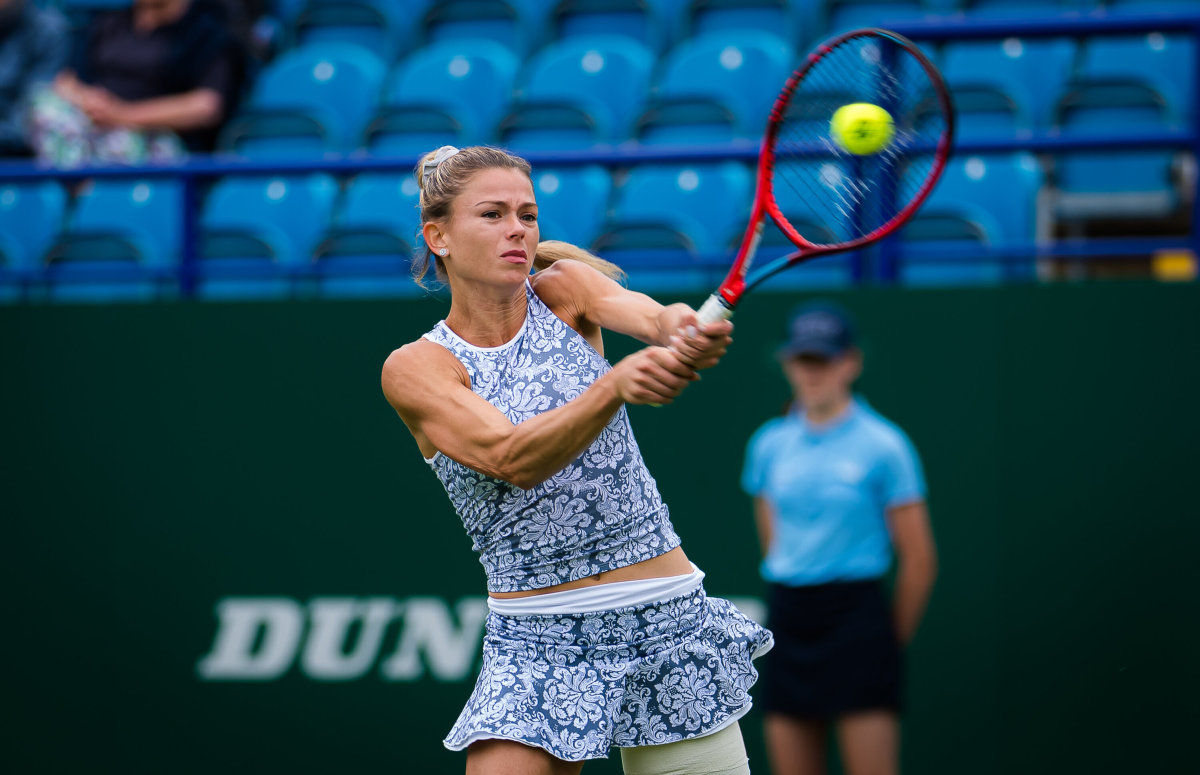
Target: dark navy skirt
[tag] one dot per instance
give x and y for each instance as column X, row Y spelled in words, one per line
column 835, row 651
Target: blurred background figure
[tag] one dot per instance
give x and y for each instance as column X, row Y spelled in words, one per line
column 837, row 489
column 34, row 47
column 151, row 83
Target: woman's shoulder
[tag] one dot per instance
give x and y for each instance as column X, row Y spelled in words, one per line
column 885, row 433
column 416, row 354
column 559, row 281
column 773, row 429
column 420, row 365
column 561, row 288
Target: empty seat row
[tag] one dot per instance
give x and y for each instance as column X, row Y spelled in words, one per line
column 649, row 218
column 1014, row 87
column 577, row 93
column 603, row 89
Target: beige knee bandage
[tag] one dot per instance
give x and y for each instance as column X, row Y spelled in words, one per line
column 721, row 753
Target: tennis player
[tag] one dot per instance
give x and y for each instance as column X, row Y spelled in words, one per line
column 599, row 633
column 837, row 489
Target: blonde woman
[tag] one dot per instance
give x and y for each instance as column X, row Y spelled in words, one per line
column 600, row 634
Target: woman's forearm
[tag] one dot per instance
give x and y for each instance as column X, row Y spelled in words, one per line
column 197, row 109
column 914, row 583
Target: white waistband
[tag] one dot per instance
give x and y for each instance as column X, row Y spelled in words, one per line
column 600, row 597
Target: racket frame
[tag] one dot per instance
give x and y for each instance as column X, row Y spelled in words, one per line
column 721, row 303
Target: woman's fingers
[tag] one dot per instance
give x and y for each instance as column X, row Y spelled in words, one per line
column 655, row 375
column 702, row 347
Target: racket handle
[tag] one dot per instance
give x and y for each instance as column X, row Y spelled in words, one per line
column 714, row 309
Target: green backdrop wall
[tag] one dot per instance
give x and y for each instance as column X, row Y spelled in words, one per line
column 225, row 554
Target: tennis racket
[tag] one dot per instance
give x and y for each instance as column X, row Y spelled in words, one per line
column 825, row 198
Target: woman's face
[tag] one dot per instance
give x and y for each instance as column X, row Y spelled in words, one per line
column 822, row 382
column 492, row 233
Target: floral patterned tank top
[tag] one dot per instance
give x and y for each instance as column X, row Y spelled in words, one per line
column 602, row 511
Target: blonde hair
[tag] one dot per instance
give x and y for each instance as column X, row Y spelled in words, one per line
column 549, row 251
column 441, row 175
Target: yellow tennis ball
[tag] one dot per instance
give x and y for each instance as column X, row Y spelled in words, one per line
column 862, row 128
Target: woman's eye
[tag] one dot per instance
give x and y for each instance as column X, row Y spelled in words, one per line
column 492, row 214
column 529, row 217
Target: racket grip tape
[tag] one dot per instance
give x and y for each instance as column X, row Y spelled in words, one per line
column 714, row 309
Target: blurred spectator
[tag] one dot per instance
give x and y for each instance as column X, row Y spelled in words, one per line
column 151, row 82
column 34, row 46
column 838, row 493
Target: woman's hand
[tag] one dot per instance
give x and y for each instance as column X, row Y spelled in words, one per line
column 655, row 375
column 700, row 347
column 70, row 88
column 105, row 109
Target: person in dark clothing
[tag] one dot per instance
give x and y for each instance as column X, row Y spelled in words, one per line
column 34, row 47
column 150, row 83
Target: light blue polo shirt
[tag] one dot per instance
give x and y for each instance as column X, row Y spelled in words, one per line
column 831, row 486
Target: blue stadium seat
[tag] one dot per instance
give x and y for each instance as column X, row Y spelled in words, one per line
column 643, row 22
column 122, row 241
column 1119, row 182
column 518, row 24
column 1006, row 87
column 311, row 100
column 845, row 15
column 31, row 215
column 579, row 91
column 674, row 224
column 1124, row 86
column 453, row 93
column 1165, row 63
column 982, row 203
column 368, row 249
column 777, row 17
column 256, row 229
column 376, row 25
column 572, row 202
column 716, row 87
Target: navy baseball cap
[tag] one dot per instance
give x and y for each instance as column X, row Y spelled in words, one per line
column 821, row 329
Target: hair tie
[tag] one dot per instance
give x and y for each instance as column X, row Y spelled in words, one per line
column 430, row 166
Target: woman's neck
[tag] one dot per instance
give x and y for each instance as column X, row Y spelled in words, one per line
column 487, row 319
column 825, row 413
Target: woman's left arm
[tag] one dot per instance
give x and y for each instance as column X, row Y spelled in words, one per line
column 916, row 565
column 576, row 291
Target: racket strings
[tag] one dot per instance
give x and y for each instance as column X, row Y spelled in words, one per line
column 821, row 188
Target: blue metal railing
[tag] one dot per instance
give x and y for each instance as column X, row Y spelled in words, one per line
column 197, row 170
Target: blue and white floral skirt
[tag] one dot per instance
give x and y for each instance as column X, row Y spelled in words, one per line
column 579, row 684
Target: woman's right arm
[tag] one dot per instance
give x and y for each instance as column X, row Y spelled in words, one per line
column 429, row 388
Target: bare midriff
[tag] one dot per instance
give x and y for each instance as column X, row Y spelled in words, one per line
column 673, row 563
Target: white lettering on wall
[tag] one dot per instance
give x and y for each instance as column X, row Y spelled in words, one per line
column 343, row 638
column 428, row 631
column 330, row 620
column 256, row 639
